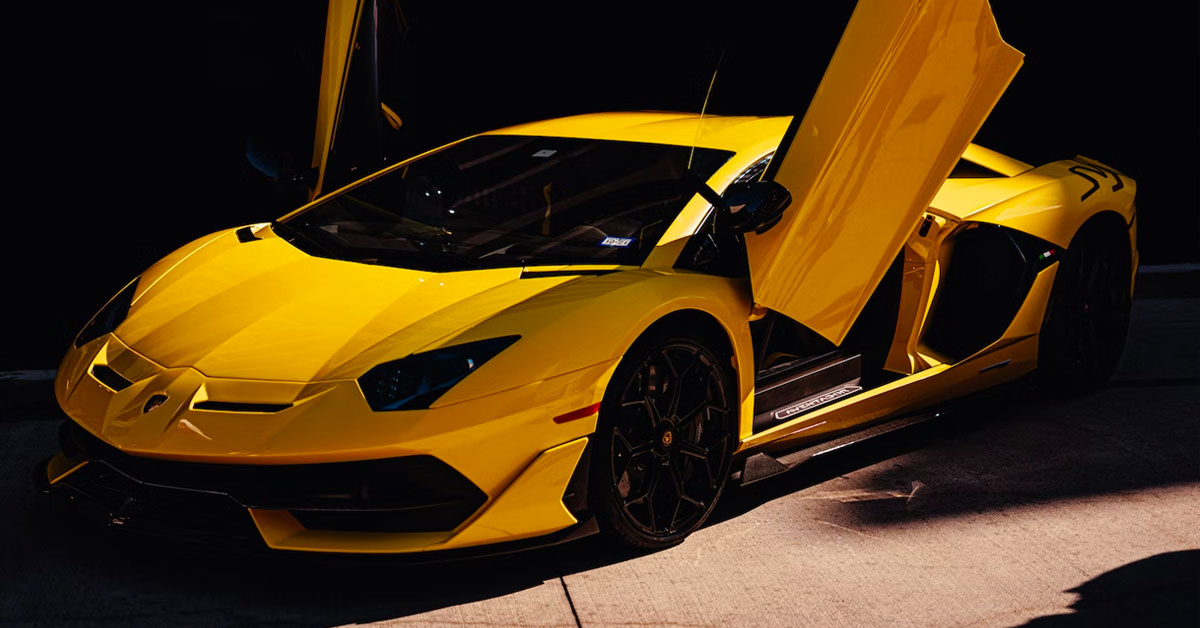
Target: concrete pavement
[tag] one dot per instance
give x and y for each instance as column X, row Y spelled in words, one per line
column 1019, row 511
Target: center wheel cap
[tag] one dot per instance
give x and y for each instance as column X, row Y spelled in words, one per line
column 667, row 438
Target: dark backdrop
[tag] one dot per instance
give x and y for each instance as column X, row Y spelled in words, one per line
column 132, row 124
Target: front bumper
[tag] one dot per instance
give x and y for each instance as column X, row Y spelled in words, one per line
column 402, row 505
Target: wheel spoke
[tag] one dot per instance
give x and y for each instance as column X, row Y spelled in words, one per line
column 666, row 357
column 649, row 481
column 705, row 454
column 630, row 448
column 698, row 384
column 679, row 494
column 703, row 410
column 644, row 401
column 652, row 410
column 678, row 387
column 693, row 450
column 645, row 497
column 676, row 475
column 626, row 457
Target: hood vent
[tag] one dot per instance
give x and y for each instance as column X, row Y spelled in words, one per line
column 534, row 274
column 234, row 406
column 246, row 234
column 110, row 378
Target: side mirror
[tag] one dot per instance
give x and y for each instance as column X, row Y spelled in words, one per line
column 754, row 206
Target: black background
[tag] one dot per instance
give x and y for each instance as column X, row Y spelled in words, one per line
column 129, row 125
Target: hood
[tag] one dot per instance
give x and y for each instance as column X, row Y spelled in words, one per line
column 264, row 310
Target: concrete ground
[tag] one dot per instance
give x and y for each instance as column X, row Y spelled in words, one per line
column 1020, row 511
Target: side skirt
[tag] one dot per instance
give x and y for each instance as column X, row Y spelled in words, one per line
column 761, row 465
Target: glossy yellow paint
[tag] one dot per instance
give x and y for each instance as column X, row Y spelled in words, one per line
column 262, row 322
column 340, row 24
column 745, row 134
column 921, row 270
column 1047, row 201
column 909, row 85
column 536, row 495
column 993, row 160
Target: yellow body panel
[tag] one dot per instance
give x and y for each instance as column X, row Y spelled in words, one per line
column 910, row 83
column 1046, row 201
column 534, row 496
column 743, row 134
column 993, row 160
column 262, row 322
column 919, row 284
column 341, row 20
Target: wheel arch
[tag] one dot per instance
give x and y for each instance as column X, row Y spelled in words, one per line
column 703, row 322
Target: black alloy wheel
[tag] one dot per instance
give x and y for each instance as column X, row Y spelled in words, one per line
column 664, row 442
column 1083, row 334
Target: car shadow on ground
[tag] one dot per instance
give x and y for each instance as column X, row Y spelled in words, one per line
column 1014, row 446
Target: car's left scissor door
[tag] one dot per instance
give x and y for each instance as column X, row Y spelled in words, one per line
column 910, row 83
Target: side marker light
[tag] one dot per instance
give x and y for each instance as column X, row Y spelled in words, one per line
column 581, row 413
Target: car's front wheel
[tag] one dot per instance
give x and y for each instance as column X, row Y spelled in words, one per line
column 662, row 450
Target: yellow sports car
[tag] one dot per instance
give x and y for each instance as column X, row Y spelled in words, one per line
column 597, row 323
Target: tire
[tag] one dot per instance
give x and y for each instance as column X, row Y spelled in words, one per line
column 1087, row 319
column 664, row 440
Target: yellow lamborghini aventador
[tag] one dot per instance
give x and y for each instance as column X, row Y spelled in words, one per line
column 597, row 323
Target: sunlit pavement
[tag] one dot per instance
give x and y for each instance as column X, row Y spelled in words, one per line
column 1019, row 510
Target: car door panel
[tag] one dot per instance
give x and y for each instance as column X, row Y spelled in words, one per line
column 907, row 88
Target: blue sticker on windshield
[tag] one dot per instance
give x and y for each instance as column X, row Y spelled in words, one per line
column 617, row 242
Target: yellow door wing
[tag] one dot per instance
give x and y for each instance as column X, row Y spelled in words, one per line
column 341, row 24
column 910, row 83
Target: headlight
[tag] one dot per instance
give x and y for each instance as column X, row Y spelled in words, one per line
column 417, row 381
column 109, row 316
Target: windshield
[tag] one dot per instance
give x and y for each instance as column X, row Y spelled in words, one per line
column 505, row 200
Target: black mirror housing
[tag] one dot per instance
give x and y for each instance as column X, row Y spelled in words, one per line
column 753, row 206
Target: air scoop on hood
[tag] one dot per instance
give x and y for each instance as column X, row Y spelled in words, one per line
column 272, row 312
